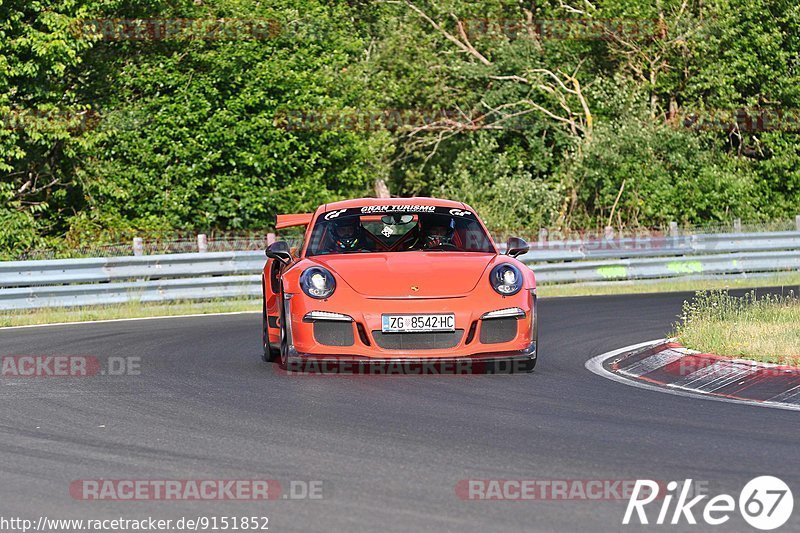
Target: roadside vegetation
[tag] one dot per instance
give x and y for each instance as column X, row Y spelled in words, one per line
column 763, row 328
column 124, row 311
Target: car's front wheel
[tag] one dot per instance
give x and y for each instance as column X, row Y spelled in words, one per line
column 532, row 363
column 284, row 350
column 529, row 366
column 270, row 354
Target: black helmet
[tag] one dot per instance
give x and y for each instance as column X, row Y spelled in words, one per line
column 437, row 230
column 346, row 233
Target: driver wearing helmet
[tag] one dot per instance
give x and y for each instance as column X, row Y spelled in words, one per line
column 437, row 231
column 346, row 234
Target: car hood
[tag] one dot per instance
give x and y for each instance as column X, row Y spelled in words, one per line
column 392, row 275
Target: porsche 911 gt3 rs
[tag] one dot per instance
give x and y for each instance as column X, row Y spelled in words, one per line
column 397, row 280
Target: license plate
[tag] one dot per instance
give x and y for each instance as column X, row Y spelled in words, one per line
column 417, row 323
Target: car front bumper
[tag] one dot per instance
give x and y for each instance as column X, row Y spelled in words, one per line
column 499, row 363
column 357, row 341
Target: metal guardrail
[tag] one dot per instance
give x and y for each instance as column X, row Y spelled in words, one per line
column 110, row 269
column 112, row 280
column 196, row 276
column 661, row 246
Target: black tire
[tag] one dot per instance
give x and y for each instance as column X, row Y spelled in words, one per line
column 283, row 360
column 269, row 354
column 532, row 363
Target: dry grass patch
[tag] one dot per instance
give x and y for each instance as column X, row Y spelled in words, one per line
column 764, row 328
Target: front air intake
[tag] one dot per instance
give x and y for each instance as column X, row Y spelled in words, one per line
column 498, row 330
column 332, row 333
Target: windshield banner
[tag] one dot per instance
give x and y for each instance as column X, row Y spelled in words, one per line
column 390, row 209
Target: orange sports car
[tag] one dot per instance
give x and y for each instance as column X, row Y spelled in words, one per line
column 388, row 281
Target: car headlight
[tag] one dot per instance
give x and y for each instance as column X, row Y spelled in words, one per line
column 317, row 282
column 506, row 279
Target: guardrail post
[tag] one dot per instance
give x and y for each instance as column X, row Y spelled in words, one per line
column 737, row 225
column 138, row 246
column 542, row 238
column 609, row 233
column 270, row 238
column 202, row 243
column 797, row 222
column 673, row 229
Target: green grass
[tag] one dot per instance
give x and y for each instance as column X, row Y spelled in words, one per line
column 126, row 310
column 667, row 285
column 763, row 328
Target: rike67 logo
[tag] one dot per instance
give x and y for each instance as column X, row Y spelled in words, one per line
column 765, row 503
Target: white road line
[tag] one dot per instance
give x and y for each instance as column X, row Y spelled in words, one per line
column 595, row 365
column 127, row 319
column 654, row 362
column 791, row 394
column 714, row 377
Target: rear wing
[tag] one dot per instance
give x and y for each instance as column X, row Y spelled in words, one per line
column 290, row 221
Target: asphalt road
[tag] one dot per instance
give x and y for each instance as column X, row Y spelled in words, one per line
column 389, row 450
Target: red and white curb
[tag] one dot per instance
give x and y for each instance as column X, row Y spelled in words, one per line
column 665, row 366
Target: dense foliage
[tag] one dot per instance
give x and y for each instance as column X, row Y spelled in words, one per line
column 121, row 117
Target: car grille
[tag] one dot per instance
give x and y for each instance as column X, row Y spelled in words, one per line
column 332, row 333
column 418, row 341
column 497, row 330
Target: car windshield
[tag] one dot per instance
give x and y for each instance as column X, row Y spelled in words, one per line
column 362, row 230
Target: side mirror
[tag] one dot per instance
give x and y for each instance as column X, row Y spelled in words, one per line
column 280, row 252
column 516, row 246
